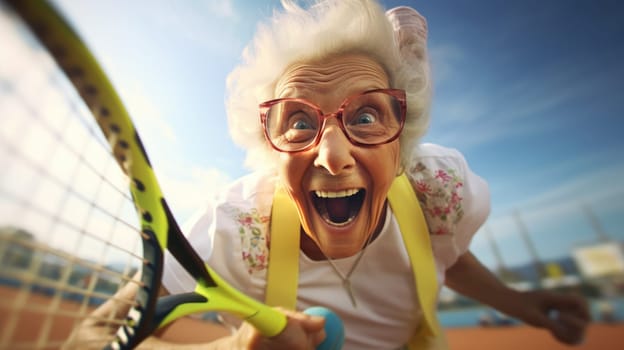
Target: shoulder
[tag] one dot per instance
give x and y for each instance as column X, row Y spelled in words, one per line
column 249, row 188
column 437, row 165
column 440, row 173
column 455, row 201
column 433, row 155
column 244, row 194
column 247, row 201
column 242, row 218
column 453, row 198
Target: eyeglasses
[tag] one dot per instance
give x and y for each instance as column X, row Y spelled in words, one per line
column 369, row 118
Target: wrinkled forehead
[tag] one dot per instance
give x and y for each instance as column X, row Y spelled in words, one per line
column 335, row 77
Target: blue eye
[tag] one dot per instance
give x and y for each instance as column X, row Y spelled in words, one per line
column 301, row 125
column 365, row 118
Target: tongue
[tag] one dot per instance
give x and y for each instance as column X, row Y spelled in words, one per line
column 338, row 209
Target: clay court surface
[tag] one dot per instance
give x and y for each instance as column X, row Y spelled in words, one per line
column 599, row 337
column 31, row 324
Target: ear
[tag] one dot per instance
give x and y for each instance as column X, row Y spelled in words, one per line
column 410, row 30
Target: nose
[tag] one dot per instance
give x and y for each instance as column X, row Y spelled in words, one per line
column 334, row 150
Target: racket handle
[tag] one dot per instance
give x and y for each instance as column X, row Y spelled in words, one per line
column 334, row 329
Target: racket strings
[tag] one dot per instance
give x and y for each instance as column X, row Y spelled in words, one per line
column 81, row 160
column 30, row 205
column 88, row 94
column 68, row 229
column 31, row 275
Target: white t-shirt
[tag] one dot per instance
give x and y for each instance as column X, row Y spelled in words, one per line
column 230, row 236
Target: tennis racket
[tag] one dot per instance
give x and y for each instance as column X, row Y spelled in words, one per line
column 69, row 234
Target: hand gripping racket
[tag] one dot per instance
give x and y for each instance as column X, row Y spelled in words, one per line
column 68, row 238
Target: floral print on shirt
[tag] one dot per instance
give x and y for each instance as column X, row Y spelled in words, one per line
column 440, row 195
column 252, row 228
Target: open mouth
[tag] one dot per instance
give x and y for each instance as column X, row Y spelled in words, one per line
column 338, row 208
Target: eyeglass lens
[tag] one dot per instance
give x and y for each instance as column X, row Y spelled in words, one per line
column 371, row 118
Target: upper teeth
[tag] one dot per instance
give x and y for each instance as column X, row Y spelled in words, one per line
column 337, row 194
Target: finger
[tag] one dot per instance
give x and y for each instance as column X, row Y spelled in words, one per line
column 314, row 326
column 572, row 321
column 567, row 327
column 310, row 323
column 318, row 337
column 574, row 304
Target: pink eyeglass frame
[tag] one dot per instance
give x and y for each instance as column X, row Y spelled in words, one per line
column 396, row 93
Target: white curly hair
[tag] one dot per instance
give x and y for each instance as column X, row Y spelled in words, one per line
column 396, row 39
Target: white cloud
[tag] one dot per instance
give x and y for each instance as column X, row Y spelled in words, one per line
column 187, row 186
column 592, row 187
column 566, row 200
column 222, row 8
column 442, row 58
column 526, row 104
column 467, row 109
column 192, row 191
column 206, row 24
column 148, row 119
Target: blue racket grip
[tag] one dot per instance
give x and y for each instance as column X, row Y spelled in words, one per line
column 334, row 329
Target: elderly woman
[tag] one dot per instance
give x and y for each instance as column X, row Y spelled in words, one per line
column 330, row 103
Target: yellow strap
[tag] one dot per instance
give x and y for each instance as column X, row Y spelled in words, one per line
column 415, row 233
column 283, row 271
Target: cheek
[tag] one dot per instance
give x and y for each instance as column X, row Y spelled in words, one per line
column 395, row 157
column 383, row 169
column 385, row 165
column 293, row 175
column 291, row 171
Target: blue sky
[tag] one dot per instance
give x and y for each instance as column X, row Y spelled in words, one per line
column 530, row 91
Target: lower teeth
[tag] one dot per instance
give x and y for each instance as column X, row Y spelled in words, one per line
column 329, row 221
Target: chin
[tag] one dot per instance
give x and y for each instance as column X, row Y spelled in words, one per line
column 341, row 242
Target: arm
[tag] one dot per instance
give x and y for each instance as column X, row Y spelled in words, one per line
column 470, row 278
column 302, row 331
